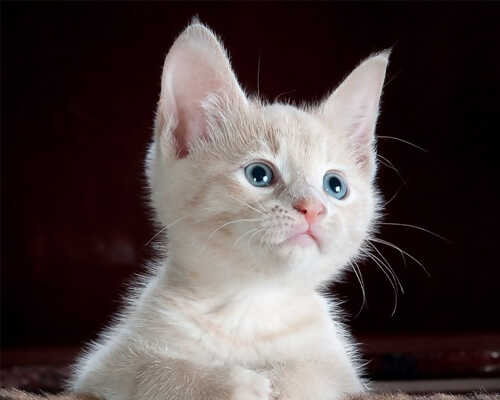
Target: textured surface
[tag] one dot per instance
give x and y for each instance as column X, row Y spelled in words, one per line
column 19, row 395
column 45, row 379
column 14, row 394
column 37, row 379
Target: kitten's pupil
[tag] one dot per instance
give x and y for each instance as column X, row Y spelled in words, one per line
column 335, row 185
column 259, row 174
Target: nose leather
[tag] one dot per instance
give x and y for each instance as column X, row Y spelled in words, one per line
column 312, row 209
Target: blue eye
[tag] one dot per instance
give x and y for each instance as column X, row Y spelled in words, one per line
column 334, row 185
column 259, row 174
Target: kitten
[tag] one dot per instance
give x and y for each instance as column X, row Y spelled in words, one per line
column 264, row 204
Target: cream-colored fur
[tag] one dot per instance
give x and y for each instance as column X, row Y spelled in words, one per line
column 233, row 311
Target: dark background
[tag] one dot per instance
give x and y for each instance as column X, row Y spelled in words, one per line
column 79, row 87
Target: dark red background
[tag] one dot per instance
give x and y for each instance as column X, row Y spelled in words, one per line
column 79, row 86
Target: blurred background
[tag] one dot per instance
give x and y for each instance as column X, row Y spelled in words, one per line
column 80, row 83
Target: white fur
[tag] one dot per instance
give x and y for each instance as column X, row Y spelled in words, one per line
column 233, row 312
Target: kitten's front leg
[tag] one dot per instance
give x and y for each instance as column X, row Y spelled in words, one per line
column 313, row 380
column 169, row 379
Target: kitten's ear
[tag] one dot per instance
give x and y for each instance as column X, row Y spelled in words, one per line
column 196, row 67
column 352, row 109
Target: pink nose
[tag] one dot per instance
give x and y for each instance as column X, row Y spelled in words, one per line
column 311, row 208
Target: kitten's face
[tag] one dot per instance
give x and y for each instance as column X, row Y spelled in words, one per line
column 266, row 188
column 294, row 220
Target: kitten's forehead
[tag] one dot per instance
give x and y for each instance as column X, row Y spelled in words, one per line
column 304, row 137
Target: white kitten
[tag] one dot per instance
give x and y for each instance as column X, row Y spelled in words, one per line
column 263, row 204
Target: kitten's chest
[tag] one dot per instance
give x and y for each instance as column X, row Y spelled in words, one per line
column 261, row 331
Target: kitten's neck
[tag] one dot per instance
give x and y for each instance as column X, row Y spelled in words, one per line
column 195, row 277
column 216, row 303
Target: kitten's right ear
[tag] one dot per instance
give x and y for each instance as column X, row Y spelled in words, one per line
column 196, row 67
column 352, row 109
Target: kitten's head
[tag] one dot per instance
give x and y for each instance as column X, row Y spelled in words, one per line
column 257, row 188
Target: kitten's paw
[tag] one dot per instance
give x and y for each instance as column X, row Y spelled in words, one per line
column 249, row 385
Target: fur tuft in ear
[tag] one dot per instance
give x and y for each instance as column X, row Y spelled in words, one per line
column 196, row 67
column 352, row 109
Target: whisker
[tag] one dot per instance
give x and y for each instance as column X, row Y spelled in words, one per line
column 388, row 266
column 391, row 79
column 164, row 228
column 388, row 277
column 156, row 235
column 248, row 205
column 258, row 76
column 401, row 251
column 404, row 141
column 418, row 228
column 284, row 93
column 357, row 272
column 262, row 207
column 388, row 163
column 232, row 222
column 385, row 161
column 242, row 236
column 253, row 235
column 393, row 196
column 388, row 270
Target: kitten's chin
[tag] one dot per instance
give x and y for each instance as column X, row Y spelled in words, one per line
column 299, row 248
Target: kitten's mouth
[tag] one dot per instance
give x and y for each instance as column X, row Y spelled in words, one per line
column 302, row 239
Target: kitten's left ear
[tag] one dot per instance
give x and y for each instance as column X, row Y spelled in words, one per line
column 352, row 109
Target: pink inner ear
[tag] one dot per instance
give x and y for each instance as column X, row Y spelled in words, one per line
column 195, row 68
column 190, row 83
column 182, row 149
column 361, row 127
column 191, row 125
column 361, row 135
